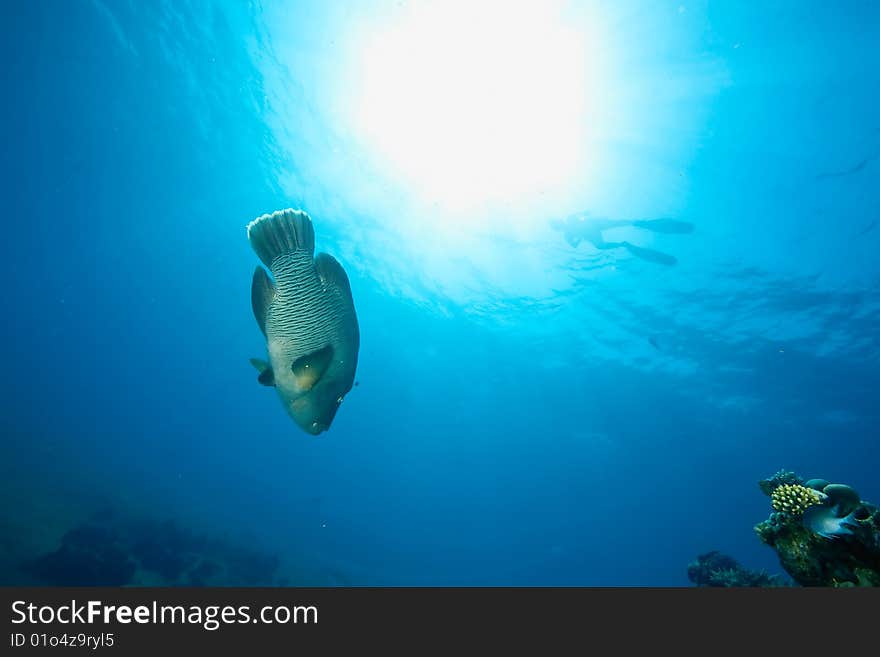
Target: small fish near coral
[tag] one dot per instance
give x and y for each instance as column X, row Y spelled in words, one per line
column 823, row 532
column 306, row 313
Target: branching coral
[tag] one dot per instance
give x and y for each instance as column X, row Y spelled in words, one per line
column 794, row 499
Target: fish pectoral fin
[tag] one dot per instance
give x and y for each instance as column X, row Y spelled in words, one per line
column 267, row 376
column 309, row 369
column 262, row 294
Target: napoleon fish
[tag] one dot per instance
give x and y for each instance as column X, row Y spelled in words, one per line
column 307, row 315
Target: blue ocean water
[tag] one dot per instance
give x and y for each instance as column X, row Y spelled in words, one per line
column 528, row 411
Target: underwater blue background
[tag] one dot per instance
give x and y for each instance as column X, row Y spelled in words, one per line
column 526, row 412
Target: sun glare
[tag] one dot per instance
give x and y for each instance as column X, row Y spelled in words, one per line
column 442, row 140
column 475, row 104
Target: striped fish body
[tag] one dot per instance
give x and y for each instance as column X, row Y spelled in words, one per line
column 308, row 318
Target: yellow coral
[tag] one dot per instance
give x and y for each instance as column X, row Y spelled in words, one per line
column 794, row 499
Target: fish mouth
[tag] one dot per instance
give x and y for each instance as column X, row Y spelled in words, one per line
column 315, row 410
column 315, row 428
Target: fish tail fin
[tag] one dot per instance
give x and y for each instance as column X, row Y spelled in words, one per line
column 281, row 233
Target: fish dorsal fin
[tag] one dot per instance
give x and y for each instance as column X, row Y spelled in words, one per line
column 262, row 294
column 332, row 275
column 267, row 376
column 309, row 369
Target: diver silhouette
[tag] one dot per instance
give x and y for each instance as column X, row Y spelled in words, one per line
column 581, row 227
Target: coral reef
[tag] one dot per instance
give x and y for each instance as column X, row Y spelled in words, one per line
column 823, row 533
column 116, row 550
column 719, row 570
column 780, row 478
column 87, row 555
